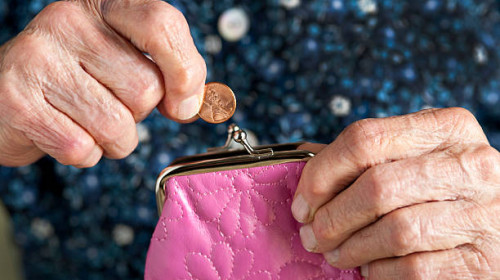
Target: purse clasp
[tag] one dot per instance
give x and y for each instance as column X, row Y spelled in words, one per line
column 238, row 135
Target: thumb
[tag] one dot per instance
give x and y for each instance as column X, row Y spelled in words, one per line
column 159, row 29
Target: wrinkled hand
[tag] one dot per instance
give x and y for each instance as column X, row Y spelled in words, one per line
column 408, row 197
column 75, row 81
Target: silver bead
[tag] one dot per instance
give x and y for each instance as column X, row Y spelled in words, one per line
column 233, row 24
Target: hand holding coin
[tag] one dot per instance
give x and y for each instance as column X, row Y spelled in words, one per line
column 219, row 103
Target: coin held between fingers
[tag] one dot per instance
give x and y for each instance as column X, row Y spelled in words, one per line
column 219, row 103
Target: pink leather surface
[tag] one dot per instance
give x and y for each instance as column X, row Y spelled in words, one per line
column 234, row 224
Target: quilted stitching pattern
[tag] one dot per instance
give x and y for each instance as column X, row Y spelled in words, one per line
column 234, row 224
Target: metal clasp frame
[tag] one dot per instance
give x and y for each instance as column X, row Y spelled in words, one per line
column 238, row 135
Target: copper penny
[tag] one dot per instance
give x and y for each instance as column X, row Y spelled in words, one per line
column 219, row 103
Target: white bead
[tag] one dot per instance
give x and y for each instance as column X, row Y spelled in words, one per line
column 340, row 106
column 233, row 24
column 143, row 133
column 337, row 4
column 367, row 6
column 42, row 229
column 480, row 55
column 290, row 4
column 123, row 235
column 213, row 44
column 163, row 158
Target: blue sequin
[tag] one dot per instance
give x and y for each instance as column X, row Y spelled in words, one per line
column 393, row 58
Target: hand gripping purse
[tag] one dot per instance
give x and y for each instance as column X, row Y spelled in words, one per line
column 226, row 215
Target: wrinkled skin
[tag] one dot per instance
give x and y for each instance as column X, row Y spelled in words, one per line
column 75, row 81
column 407, row 197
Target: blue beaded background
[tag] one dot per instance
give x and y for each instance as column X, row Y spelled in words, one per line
column 285, row 72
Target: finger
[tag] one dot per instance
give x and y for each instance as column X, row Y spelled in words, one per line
column 390, row 186
column 69, row 144
column 312, row 147
column 28, row 119
column 424, row 227
column 117, row 64
column 94, row 108
column 373, row 141
column 465, row 262
column 52, row 132
column 159, row 29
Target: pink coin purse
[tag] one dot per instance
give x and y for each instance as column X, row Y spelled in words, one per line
column 226, row 215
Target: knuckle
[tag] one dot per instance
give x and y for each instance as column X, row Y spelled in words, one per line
column 26, row 49
column 484, row 161
column 323, row 224
column 453, row 125
column 416, row 268
column 143, row 101
column 74, row 150
column 350, row 259
column 170, row 34
column 462, row 121
column 164, row 19
column 318, row 190
column 311, row 175
column 57, row 15
column 462, row 114
column 362, row 136
column 466, row 120
column 59, row 7
column 192, row 72
column 109, row 133
column 177, row 22
column 377, row 189
column 112, row 130
column 405, row 233
column 118, row 138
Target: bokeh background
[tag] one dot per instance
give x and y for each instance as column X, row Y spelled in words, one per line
column 301, row 70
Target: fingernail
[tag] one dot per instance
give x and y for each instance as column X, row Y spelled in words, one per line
column 332, row 256
column 308, row 239
column 189, row 107
column 364, row 270
column 300, row 209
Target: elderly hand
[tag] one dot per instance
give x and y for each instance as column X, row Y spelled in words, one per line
column 408, row 197
column 75, row 81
